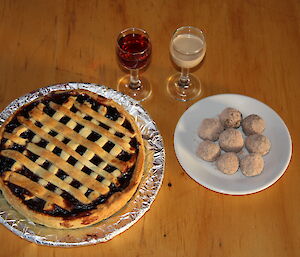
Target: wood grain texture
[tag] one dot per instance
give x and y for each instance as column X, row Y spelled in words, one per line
column 253, row 48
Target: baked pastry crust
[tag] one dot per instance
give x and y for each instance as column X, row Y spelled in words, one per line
column 90, row 189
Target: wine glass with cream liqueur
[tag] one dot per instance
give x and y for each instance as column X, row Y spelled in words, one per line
column 187, row 49
column 134, row 51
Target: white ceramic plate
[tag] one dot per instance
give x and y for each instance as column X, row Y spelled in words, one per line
column 205, row 173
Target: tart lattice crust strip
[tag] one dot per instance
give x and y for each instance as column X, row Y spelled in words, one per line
column 89, row 185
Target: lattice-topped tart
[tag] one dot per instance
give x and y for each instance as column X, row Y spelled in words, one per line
column 70, row 159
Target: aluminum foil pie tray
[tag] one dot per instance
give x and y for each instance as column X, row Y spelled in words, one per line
column 123, row 219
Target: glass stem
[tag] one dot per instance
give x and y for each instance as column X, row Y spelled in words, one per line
column 135, row 82
column 184, row 80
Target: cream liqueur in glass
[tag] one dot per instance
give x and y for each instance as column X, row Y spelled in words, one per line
column 187, row 48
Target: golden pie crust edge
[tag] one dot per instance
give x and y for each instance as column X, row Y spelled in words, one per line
column 103, row 211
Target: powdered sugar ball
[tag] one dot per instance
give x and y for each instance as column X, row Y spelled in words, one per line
column 258, row 143
column 231, row 118
column 252, row 164
column 253, row 124
column 231, row 140
column 208, row 151
column 228, row 163
column 210, row 129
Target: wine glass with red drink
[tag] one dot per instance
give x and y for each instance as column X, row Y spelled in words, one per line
column 133, row 51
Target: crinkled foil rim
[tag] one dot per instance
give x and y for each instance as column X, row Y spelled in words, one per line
column 128, row 215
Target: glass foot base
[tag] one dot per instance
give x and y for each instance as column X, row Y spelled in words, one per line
column 140, row 93
column 184, row 93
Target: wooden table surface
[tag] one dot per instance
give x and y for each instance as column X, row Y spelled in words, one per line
column 253, row 48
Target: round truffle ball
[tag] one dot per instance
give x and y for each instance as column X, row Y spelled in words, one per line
column 210, row 129
column 208, row 151
column 258, row 143
column 231, row 140
column 231, row 118
column 253, row 124
column 252, row 164
column 228, row 163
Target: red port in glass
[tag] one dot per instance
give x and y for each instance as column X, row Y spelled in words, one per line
column 134, row 50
